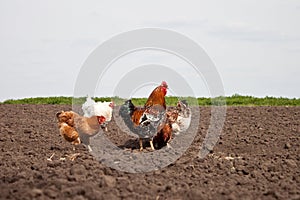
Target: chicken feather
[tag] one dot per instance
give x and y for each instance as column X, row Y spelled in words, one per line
column 78, row 129
column 148, row 120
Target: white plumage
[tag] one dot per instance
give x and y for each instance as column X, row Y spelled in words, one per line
column 88, row 107
column 181, row 124
column 103, row 109
column 183, row 120
column 91, row 108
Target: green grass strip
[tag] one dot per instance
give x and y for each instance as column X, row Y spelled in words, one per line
column 235, row 100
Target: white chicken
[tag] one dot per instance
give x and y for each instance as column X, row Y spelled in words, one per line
column 91, row 108
column 180, row 117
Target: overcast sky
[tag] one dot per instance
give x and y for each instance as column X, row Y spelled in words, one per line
column 255, row 45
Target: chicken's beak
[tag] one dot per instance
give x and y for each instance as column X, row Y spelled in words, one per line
column 112, row 104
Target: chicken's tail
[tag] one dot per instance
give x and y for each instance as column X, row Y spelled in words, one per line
column 88, row 107
column 127, row 108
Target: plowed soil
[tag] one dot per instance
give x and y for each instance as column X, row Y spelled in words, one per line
column 256, row 157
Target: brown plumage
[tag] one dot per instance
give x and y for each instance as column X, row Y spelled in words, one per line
column 69, row 133
column 66, row 117
column 66, row 127
column 157, row 96
column 176, row 119
column 163, row 136
column 87, row 125
column 76, row 129
column 136, row 115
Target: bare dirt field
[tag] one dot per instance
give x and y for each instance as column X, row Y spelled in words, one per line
column 257, row 157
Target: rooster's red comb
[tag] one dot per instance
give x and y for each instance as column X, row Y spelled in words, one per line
column 164, row 84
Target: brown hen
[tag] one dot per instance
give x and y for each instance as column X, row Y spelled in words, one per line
column 78, row 129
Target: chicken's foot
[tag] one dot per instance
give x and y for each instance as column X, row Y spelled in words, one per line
column 73, row 156
column 169, row 146
column 50, row 159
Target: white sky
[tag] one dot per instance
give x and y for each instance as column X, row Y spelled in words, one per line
column 255, row 45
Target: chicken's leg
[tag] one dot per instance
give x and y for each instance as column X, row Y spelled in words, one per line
column 141, row 144
column 151, row 144
column 89, row 148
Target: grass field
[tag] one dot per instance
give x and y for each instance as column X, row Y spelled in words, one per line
column 235, row 100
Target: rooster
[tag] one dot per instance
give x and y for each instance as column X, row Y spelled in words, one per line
column 148, row 120
column 78, row 129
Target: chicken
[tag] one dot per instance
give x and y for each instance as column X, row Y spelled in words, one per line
column 66, row 127
column 78, row 129
column 178, row 120
column 164, row 136
column 91, row 108
column 184, row 116
column 179, row 117
column 148, row 120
